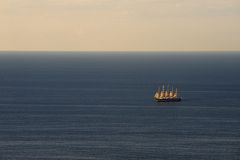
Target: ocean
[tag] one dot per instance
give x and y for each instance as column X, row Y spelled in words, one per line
column 99, row 106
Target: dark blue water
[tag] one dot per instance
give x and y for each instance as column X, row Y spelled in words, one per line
column 66, row 106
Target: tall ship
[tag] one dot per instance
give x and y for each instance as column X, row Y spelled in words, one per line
column 168, row 95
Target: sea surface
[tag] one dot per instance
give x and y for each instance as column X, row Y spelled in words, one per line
column 99, row 106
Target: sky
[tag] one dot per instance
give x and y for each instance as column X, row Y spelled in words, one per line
column 120, row 25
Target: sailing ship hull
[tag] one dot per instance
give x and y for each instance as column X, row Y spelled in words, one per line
column 168, row 99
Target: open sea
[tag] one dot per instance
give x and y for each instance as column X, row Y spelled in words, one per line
column 99, row 106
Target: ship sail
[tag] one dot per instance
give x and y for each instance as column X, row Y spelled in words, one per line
column 157, row 94
column 166, row 93
column 162, row 94
column 171, row 93
column 175, row 94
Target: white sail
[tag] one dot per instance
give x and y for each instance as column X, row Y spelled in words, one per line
column 156, row 95
column 162, row 94
column 166, row 93
column 175, row 94
column 171, row 94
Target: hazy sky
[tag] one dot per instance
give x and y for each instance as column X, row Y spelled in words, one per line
column 91, row 25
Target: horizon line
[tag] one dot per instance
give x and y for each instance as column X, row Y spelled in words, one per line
column 131, row 51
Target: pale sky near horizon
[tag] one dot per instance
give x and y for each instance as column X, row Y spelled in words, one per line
column 120, row 25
